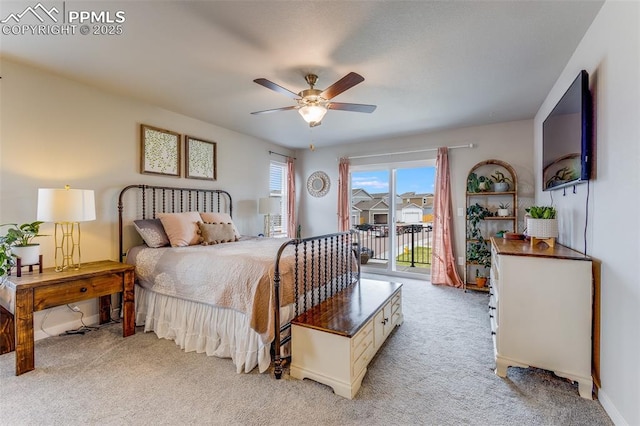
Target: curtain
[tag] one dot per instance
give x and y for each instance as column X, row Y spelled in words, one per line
column 291, row 198
column 344, row 207
column 443, row 269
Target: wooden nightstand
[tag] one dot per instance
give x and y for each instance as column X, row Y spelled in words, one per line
column 23, row 296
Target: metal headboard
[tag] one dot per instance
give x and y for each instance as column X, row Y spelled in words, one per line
column 151, row 200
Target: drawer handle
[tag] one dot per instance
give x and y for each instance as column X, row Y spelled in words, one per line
column 384, row 321
column 493, row 333
column 491, row 307
column 83, row 290
column 490, row 316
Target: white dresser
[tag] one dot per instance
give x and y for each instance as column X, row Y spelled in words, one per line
column 540, row 307
column 334, row 342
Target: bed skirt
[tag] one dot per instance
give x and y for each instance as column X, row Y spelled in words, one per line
column 202, row 328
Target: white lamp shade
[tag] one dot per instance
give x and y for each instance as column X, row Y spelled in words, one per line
column 66, row 205
column 269, row 205
column 312, row 113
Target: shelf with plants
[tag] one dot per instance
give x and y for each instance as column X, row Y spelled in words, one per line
column 491, row 210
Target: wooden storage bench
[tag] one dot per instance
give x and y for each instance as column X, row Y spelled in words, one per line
column 334, row 342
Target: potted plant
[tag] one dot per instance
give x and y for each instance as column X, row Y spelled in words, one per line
column 19, row 239
column 478, row 253
column 503, row 209
column 7, row 260
column 500, row 181
column 542, row 222
column 477, row 183
column 481, row 279
column 476, row 213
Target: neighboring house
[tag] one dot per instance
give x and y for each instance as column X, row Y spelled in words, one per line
column 356, row 215
column 424, row 200
column 373, row 211
column 359, row 194
column 410, row 213
column 410, row 207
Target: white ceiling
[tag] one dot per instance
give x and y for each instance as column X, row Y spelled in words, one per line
column 427, row 65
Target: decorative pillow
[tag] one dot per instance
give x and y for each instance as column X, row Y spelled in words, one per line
column 216, row 233
column 219, row 218
column 152, row 232
column 181, row 228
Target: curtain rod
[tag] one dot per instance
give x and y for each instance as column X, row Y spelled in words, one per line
column 282, row 155
column 410, row 152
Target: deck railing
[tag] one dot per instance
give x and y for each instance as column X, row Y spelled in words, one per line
column 413, row 243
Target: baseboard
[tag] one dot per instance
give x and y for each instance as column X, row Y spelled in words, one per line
column 611, row 409
column 57, row 329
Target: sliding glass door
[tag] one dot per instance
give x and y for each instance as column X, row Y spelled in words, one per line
column 392, row 210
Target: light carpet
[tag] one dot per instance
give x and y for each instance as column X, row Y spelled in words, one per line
column 437, row 368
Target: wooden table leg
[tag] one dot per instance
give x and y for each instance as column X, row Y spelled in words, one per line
column 25, row 354
column 104, row 304
column 7, row 332
column 128, row 305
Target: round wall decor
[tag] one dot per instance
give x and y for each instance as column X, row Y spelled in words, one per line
column 318, row 184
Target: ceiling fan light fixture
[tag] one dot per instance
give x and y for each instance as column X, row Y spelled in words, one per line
column 312, row 113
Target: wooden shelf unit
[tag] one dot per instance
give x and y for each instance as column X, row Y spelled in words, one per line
column 490, row 225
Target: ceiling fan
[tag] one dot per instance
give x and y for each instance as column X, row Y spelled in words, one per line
column 312, row 104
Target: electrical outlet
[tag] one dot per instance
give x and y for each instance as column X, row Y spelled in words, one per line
column 460, row 260
column 75, row 309
column 460, row 211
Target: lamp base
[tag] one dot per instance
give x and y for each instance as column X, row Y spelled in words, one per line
column 267, row 225
column 67, row 237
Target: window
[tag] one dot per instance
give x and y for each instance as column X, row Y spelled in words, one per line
column 278, row 188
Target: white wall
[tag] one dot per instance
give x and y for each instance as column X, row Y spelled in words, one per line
column 511, row 142
column 56, row 131
column 610, row 52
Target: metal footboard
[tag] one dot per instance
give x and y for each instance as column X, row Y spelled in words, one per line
column 324, row 266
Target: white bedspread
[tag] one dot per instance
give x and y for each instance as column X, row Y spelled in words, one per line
column 234, row 275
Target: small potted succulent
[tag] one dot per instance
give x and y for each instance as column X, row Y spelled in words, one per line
column 503, row 210
column 542, row 222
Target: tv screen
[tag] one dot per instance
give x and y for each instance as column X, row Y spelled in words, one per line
column 566, row 138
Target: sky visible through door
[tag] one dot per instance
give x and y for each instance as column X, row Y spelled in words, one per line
column 420, row 180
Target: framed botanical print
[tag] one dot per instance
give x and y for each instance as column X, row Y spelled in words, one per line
column 160, row 151
column 200, row 159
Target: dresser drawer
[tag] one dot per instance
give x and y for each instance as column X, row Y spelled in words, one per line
column 363, row 360
column 362, row 340
column 395, row 300
column 90, row 288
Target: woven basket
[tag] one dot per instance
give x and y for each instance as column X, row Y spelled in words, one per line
column 542, row 228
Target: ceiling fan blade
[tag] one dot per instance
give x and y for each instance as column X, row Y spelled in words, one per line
column 267, row 111
column 346, row 82
column 351, row 107
column 271, row 85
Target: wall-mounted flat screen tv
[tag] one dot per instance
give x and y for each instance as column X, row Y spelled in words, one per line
column 566, row 138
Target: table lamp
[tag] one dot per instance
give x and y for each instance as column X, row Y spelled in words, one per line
column 66, row 208
column 268, row 206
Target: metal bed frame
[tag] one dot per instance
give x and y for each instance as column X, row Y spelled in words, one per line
column 323, row 264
